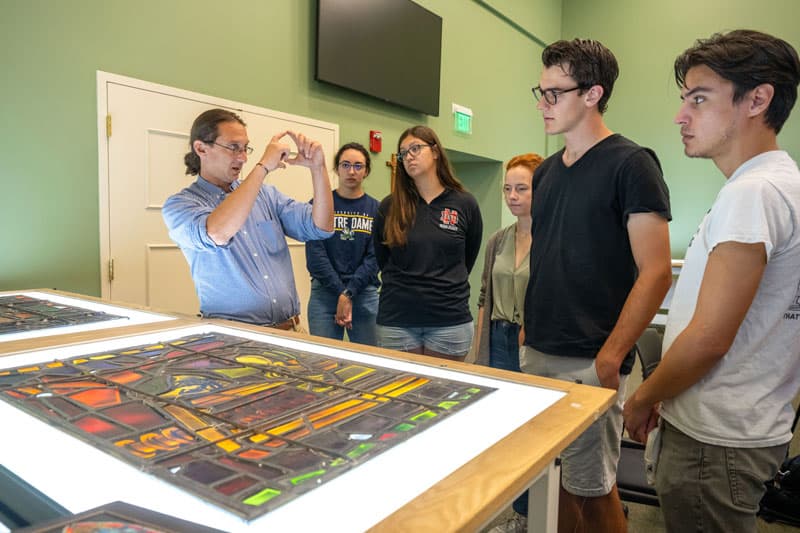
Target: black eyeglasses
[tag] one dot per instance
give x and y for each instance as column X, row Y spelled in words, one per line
column 235, row 148
column 551, row 95
column 414, row 150
column 347, row 165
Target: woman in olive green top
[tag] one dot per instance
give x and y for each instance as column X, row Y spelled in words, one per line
column 505, row 272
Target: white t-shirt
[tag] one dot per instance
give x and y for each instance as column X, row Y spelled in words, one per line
column 745, row 400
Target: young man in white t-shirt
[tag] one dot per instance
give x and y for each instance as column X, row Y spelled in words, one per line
column 731, row 364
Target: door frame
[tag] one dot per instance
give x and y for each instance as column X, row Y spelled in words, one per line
column 105, row 78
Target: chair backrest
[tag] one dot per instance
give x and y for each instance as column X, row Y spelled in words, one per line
column 648, row 348
column 631, row 477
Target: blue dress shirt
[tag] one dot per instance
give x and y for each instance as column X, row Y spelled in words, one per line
column 250, row 278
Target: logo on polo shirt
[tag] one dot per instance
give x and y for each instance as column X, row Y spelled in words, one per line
column 449, row 219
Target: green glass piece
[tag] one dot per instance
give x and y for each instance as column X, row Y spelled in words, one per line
column 425, row 415
column 404, row 427
column 260, row 498
column 305, row 477
column 448, row 405
column 359, row 450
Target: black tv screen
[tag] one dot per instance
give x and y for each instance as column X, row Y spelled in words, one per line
column 389, row 49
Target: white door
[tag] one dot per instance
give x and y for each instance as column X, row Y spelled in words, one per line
column 141, row 165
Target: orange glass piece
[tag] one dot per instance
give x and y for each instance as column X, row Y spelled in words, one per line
column 101, row 397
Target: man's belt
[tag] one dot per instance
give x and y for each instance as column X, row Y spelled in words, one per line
column 287, row 324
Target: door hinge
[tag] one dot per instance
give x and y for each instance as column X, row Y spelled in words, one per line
column 108, row 125
column 110, row 270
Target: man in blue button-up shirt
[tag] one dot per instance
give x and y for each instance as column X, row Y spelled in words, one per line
column 232, row 231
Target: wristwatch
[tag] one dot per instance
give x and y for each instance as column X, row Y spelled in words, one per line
column 348, row 293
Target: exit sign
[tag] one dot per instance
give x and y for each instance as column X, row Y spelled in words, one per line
column 462, row 119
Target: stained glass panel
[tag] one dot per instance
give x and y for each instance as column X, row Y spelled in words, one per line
column 246, row 424
column 19, row 312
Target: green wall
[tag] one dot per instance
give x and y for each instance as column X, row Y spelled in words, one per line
column 646, row 36
column 540, row 19
column 259, row 52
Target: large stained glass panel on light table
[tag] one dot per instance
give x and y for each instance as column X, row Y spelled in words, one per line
column 251, row 423
column 30, row 314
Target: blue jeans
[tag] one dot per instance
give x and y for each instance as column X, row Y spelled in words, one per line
column 322, row 314
column 504, row 354
column 504, row 345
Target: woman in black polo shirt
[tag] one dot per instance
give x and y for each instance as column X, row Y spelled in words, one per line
column 427, row 237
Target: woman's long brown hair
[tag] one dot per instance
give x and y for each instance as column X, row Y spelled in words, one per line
column 403, row 207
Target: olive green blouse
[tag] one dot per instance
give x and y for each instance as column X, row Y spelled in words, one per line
column 509, row 283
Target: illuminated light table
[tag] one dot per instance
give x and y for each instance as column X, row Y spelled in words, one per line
column 456, row 475
column 130, row 320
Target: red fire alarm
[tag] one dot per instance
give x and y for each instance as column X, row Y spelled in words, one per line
column 375, row 139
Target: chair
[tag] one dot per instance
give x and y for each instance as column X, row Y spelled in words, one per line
column 631, row 478
column 781, row 501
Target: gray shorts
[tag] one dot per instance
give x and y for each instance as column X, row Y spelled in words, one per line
column 710, row 488
column 589, row 464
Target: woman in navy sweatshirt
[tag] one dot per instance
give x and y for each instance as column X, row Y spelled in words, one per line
column 344, row 273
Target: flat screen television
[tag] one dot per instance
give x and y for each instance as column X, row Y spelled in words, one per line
column 389, row 49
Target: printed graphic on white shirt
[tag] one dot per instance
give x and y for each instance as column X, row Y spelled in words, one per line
column 794, row 308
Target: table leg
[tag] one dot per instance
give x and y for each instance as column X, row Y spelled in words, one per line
column 543, row 501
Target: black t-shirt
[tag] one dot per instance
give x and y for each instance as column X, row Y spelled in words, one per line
column 582, row 267
column 425, row 283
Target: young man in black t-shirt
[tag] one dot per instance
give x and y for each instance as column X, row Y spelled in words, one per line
column 600, row 265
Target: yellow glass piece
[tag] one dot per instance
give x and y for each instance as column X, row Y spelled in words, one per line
column 256, row 360
column 393, row 385
column 314, row 386
column 289, row 426
column 234, row 373
column 211, row 434
column 353, row 372
column 354, row 407
column 186, row 417
column 252, row 389
column 402, row 386
column 329, row 365
column 228, row 445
